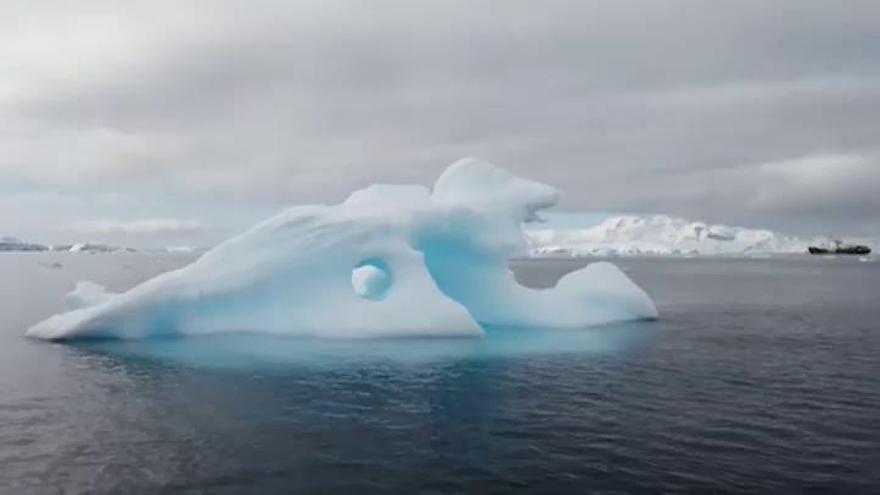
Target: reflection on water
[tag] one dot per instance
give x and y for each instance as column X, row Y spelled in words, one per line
column 760, row 376
column 260, row 351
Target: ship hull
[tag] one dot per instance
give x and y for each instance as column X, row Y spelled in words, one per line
column 854, row 250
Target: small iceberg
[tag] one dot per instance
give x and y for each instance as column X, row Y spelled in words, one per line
column 391, row 260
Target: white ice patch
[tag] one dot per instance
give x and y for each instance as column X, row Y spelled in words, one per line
column 392, row 260
column 86, row 294
column 371, row 279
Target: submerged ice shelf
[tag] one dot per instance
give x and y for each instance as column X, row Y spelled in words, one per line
column 391, row 260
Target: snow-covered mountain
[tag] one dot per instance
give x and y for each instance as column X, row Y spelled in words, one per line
column 14, row 244
column 95, row 247
column 661, row 234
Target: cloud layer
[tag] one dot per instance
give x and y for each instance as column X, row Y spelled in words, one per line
column 751, row 112
column 140, row 227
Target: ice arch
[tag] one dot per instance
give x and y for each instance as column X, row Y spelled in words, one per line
column 390, row 260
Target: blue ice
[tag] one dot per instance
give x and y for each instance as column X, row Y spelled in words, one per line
column 391, row 260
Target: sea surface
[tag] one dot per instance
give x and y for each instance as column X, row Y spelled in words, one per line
column 761, row 376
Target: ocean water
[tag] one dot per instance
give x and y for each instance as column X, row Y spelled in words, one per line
column 762, row 376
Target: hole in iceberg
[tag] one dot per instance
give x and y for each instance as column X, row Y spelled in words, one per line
column 371, row 278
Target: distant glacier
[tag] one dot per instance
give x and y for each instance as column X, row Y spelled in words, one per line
column 635, row 235
column 13, row 244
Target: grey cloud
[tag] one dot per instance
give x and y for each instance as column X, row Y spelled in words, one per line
column 139, row 227
column 672, row 107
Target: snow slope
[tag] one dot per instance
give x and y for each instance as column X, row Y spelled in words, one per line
column 660, row 235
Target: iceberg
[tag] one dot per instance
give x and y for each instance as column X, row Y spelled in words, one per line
column 391, row 260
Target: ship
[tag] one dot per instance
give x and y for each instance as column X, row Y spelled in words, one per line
column 838, row 247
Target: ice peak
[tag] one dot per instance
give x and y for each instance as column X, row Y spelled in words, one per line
column 477, row 183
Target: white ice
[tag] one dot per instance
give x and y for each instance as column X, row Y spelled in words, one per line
column 661, row 235
column 392, row 260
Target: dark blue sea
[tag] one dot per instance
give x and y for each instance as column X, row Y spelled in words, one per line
column 761, row 376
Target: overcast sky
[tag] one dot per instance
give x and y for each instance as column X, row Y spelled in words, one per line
column 163, row 122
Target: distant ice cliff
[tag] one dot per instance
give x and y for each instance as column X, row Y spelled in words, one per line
column 661, row 235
